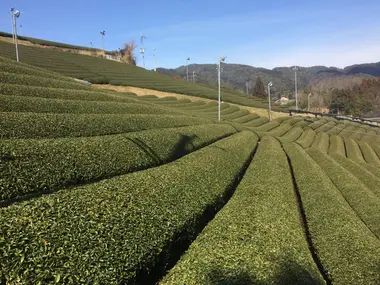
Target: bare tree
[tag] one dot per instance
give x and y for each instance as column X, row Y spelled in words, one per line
column 128, row 53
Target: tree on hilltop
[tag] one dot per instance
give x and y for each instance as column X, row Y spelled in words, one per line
column 259, row 89
column 128, row 53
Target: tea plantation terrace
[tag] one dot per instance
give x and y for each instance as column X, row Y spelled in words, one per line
column 100, row 187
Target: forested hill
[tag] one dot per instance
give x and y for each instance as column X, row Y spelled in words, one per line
column 236, row 76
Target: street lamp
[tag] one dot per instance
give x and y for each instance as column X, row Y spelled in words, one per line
column 295, row 85
column 270, row 84
column 13, row 28
column 15, row 15
column 222, row 59
column 103, row 33
column 308, row 102
column 187, row 69
column 154, row 55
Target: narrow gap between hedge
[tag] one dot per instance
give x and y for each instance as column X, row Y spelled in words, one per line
column 305, row 226
column 173, row 251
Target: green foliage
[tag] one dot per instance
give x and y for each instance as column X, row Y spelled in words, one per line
column 256, row 238
column 363, row 172
column 66, row 94
column 349, row 253
column 337, row 146
column 259, row 89
column 321, row 142
column 53, row 164
column 44, row 105
column 353, row 150
column 102, row 71
column 292, row 135
column 362, row 200
column 245, row 119
column 121, row 229
column 368, row 153
column 306, row 138
column 15, row 125
column 35, row 80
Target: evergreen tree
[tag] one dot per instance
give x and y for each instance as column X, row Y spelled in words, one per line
column 259, row 89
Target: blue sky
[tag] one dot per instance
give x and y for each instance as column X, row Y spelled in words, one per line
column 259, row 33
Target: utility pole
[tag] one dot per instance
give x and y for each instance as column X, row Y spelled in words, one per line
column 308, row 102
column 269, row 103
column 103, row 33
column 15, row 15
column 187, row 69
column 193, row 76
column 222, row 59
column 154, row 55
column 295, row 85
column 142, row 50
column 13, row 28
column 247, row 83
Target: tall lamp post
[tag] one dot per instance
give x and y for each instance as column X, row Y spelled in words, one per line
column 295, row 85
column 187, row 69
column 270, row 84
column 154, row 55
column 15, row 15
column 308, row 102
column 103, row 33
column 222, row 59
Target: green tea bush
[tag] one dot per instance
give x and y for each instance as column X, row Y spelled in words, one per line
column 362, row 200
column 53, row 164
column 121, row 230
column 353, row 150
column 337, row 146
column 51, row 125
column 44, row 105
column 321, row 142
column 306, row 138
column 256, row 238
column 31, row 80
column 245, row 119
column 349, row 253
column 368, row 153
column 62, row 93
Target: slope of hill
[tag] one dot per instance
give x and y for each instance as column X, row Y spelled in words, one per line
column 98, row 70
column 109, row 188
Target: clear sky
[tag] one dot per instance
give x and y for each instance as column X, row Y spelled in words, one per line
column 266, row 33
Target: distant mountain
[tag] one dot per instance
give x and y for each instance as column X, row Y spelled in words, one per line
column 236, row 76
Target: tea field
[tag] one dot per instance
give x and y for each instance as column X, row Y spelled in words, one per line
column 100, row 187
column 101, row 71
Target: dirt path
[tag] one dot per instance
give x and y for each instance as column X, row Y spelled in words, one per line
column 161, row 94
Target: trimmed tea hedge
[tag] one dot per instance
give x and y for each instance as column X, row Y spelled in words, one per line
column 280, row 130
column 363, row 172
column 362, row 200
column 31, row 80
column 257, row 122
column 50, row 125
column 120, row 230
column 321, row 142
column 66, row 94
column 256, row 238
column 246, row 118
column 52, row 164
column 347, row 248
column 293, row 135
column 353, row 150
column 44, row 105
column 306, row 138
column 337, row 146
column 368, row 153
